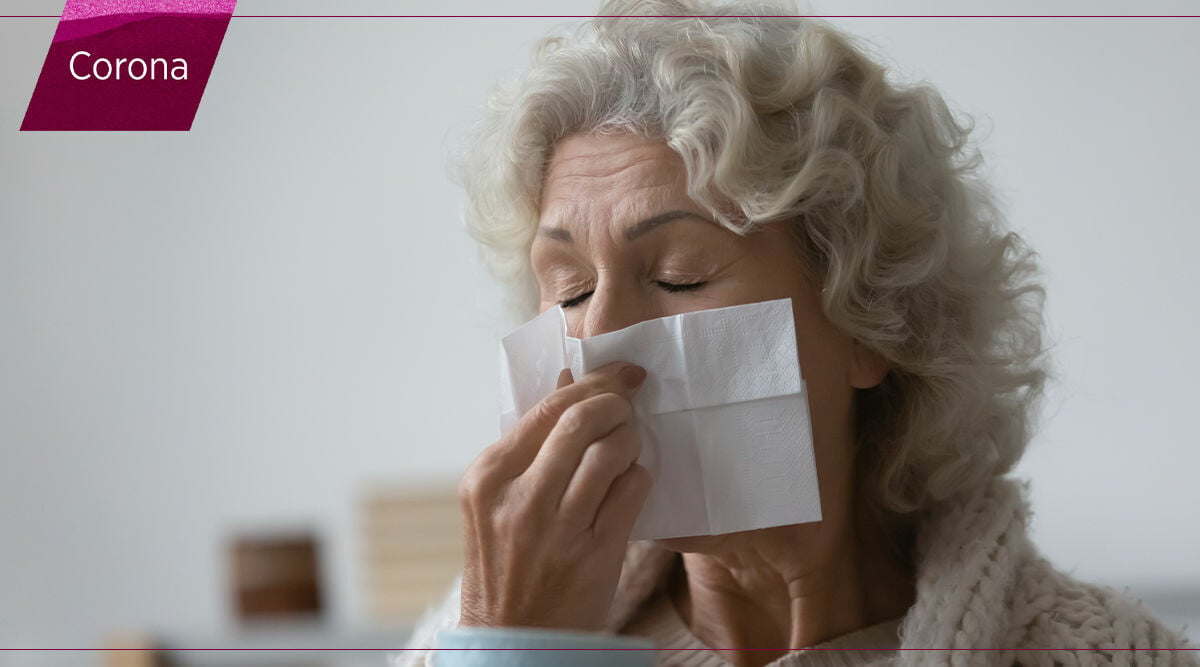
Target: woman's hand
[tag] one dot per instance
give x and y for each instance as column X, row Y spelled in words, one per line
column 549, row 508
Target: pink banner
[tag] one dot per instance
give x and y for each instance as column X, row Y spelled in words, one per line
column 128, row 65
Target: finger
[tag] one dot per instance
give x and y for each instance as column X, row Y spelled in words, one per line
column 521, row 445
column 564, row 378
column 620, row 508
column 579, row 427
column 602, row 463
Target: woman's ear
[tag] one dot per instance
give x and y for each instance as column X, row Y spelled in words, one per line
column 867, row 367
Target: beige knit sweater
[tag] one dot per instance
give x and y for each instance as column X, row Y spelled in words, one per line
column 980, row 584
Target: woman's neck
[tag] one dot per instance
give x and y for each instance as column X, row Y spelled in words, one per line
column 764, row 597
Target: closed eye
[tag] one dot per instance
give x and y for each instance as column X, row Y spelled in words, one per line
column 575, row 301
column 679, row 287
column 669, row 287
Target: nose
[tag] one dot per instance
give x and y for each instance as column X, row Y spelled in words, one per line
column 612, row 306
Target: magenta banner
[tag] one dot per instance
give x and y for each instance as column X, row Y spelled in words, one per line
column 128, row 65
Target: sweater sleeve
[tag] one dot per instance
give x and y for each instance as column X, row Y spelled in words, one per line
column 527, row 647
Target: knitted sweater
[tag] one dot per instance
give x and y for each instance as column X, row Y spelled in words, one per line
column 980, row 584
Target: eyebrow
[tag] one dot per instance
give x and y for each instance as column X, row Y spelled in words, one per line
column 642, row 227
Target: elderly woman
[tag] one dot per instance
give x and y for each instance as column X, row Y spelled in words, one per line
column 652, row 166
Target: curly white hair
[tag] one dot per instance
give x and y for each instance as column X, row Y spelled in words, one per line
column 786, row 118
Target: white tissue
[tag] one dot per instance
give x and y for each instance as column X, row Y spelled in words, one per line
column 723, row 413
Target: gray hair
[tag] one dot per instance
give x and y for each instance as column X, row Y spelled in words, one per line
column 785, row 118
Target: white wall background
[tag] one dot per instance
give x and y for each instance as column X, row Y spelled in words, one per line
column 244, row 325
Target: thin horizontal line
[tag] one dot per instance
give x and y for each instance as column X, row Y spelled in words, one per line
column 685, row 16
column 803, row 648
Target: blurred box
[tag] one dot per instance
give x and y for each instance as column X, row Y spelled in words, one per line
column 132, row 650
column 413, row 550
column 276, row 576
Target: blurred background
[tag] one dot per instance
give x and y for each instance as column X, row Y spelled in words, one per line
column 241, row 368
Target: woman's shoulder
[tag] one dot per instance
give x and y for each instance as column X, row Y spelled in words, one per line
column 981, row 583
column 1051, row 609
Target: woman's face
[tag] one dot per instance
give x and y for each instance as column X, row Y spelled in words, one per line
column 620, row 241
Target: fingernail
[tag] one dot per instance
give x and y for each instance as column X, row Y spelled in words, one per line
column 633, row 376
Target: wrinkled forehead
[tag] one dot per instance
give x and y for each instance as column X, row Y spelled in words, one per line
column 610, row 180
column 583, row 155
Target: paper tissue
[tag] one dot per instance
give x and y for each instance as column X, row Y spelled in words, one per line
column 723, row 413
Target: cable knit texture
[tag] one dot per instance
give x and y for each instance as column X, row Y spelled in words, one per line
column 980, row 584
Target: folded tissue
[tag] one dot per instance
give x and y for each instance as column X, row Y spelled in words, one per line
column 723, row 412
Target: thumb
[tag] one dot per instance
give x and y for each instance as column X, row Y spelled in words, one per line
column 564, row 378
column 630, row 378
